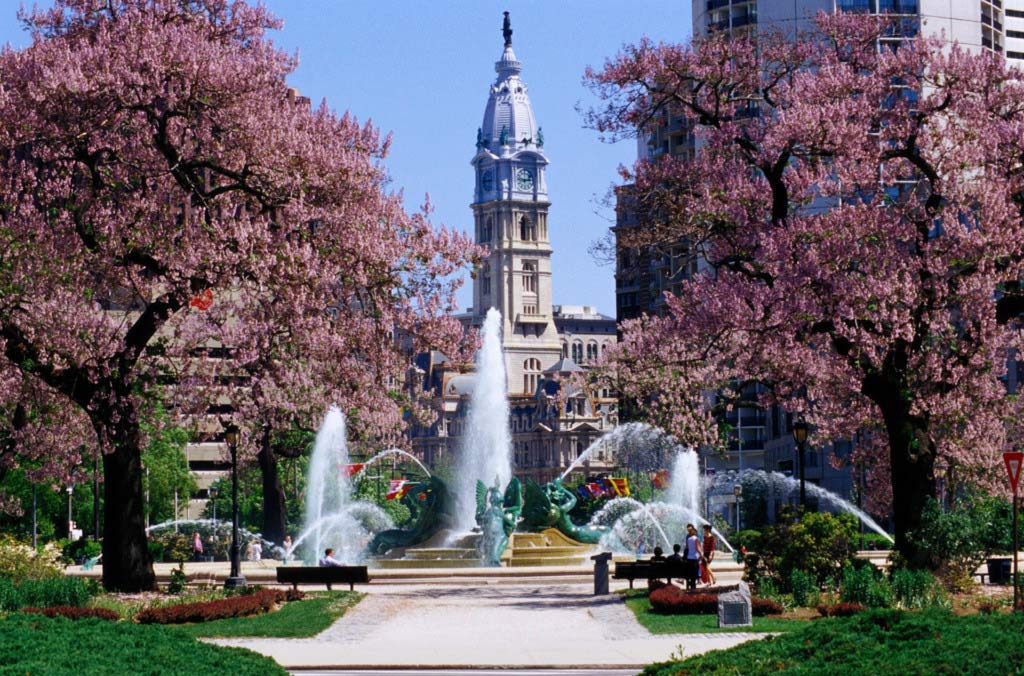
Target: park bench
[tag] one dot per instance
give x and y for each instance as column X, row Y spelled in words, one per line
column 327, row 575
column 649, row 570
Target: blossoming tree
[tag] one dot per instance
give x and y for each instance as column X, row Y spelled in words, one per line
column 157, row 178
column 859, row 214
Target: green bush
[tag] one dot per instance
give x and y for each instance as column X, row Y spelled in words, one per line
column 745, row 538
column 51, row 591
column 174, row 547
column 879, row 541
column 82, row 549
column 865, row 585
column 18, row 561
column 32, row 644
column 872, row 643
column 916, row 589
column 960, row 538
column 805, row 591
column 818, row 543
column 178, row 580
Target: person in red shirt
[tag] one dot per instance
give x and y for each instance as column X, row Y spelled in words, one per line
column 708, row 577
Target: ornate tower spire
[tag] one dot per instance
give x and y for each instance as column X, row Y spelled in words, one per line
column 510, row 210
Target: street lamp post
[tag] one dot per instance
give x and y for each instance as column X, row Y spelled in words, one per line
column 213, row 498
column 737, row 490
column 71, row 490
column 800, row 437
column 940, row 468
column 235, row 579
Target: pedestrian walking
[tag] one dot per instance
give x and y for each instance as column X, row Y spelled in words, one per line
column 693, row 556
column 708, row 549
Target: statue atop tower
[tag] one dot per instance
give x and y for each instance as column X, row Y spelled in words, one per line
column 506, row 30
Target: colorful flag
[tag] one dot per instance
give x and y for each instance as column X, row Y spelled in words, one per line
column 584, row 492
column 596, row 490
column 619, row 487
column 660, row 479
column 397, row 489
column 353, row 469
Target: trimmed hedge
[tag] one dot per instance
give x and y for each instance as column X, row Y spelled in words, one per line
column 34, row 644
column 872, row 643
column 75, row 613
column 841, row 609
column 261, row 601
column 44, row 593
column 671, row 600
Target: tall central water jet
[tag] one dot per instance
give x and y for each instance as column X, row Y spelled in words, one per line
column 486, row 451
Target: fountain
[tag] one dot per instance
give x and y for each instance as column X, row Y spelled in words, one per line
column 486, row 452
column 333, row 519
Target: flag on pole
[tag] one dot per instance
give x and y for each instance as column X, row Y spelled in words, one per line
column 618, row 487
column 397, row 489
column 596, row 490
column 353, row 469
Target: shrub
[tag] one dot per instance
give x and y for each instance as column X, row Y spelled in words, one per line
column 236, row 606
column 178, row 580
column 75, row 613
column 33, row 644
column 819, row 544
column 916, row 589
column 959, row 539
column 82, row 548
column 745, row 538
column 761, row 607
column 865, row 585
column 805, row 592
column 52, row 591
column 18, row 561
column 841, row 609
column 175, row 547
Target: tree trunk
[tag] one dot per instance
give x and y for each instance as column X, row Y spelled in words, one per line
column 273, row 492
column 127, row 564
column 912, row 458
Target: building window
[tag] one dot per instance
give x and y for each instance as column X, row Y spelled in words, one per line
column 485, row 279
column 531, row 375
column 530, row 276
column 577, row 352
column 487, row 231
column 565, row 350
column 591, row 351
column 527, row 230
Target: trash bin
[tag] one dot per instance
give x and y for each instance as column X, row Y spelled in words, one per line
column 601, row 572
column 1000, row 571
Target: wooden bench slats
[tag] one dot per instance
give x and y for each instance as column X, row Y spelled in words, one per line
column 649, row 570
column 326, row 575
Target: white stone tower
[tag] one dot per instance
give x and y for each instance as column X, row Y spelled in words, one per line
column 510, row 210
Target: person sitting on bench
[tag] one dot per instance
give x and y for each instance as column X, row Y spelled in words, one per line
column 329, row 560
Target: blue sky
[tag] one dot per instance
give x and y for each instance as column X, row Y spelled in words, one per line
column 422, row 71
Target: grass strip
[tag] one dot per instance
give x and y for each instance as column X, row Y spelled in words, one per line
column 296, row 619
column 35, row 644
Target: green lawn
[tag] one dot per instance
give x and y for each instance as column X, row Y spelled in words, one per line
column 636, row 600
column 873, row 643
column 33, row 644
column 297, row 619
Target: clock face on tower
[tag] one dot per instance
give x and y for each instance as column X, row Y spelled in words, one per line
column 487, row 181
column 524, row 179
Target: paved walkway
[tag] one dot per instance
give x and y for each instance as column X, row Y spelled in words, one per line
column 508, row 625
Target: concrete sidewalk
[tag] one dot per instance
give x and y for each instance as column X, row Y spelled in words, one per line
column 459, row 626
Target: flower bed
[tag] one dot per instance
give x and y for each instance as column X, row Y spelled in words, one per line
column 671, row 600
column 75, row 612
column 261, row 601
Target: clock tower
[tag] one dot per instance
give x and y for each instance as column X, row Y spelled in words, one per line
column 510, row 213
